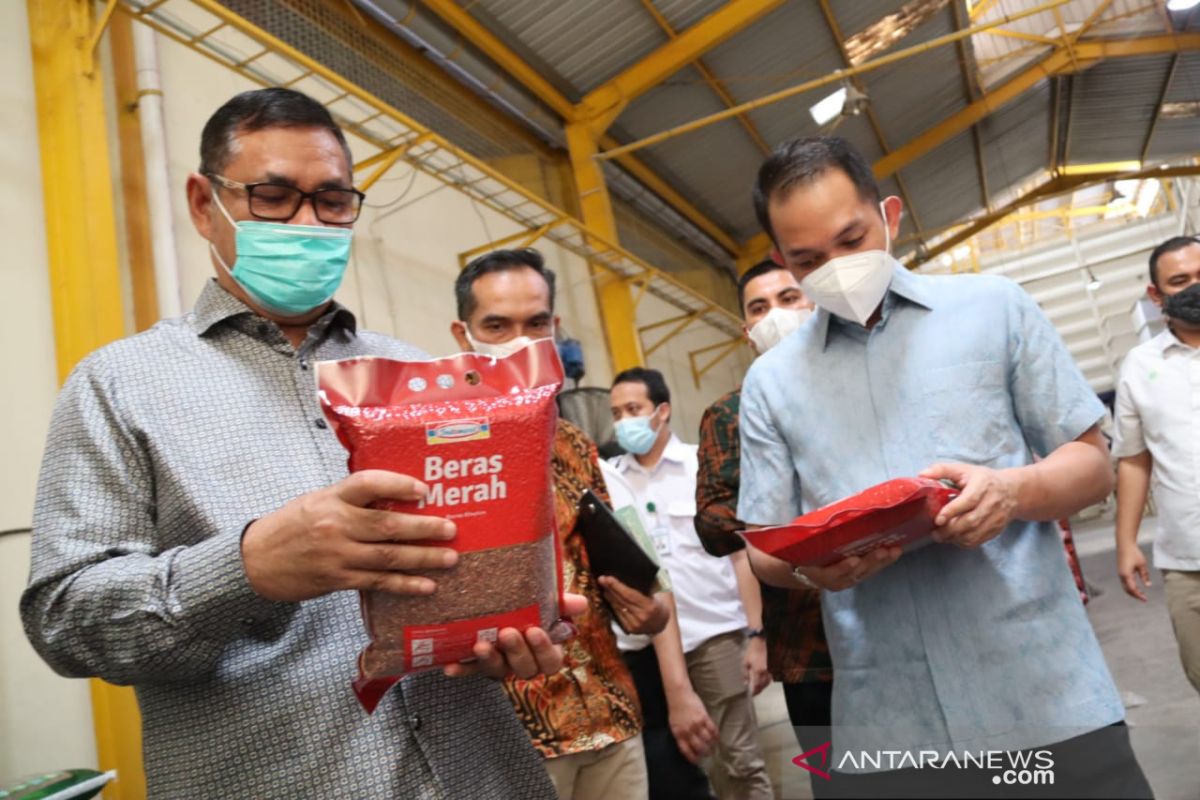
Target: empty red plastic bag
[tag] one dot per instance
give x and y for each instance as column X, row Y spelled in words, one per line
column 896, row 513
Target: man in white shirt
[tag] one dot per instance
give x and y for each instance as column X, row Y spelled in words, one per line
column 661, row 471
column 677, row 731
column 1157, row 440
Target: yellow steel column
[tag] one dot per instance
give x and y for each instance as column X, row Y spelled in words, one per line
column 617, row 309
column 80, row 225
column 84, row 281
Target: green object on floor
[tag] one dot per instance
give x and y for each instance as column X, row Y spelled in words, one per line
column 67, row 784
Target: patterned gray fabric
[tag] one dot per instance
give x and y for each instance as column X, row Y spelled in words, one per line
column 162, row 448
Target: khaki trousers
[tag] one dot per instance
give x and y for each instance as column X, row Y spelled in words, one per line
column 616, row 772
column 738, row 771
column 1183, row 603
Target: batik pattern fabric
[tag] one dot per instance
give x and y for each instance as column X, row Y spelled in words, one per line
column 591, row 702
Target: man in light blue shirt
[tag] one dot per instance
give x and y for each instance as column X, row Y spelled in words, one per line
column 952, row 659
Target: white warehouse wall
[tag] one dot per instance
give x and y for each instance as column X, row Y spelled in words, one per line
column 1117, row 253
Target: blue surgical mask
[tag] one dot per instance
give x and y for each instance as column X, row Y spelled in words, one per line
column 635, row 434
column 287, row 269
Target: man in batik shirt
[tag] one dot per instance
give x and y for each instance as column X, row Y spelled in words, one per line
column 585, row 719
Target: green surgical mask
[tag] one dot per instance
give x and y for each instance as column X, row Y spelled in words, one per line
column 287, row 269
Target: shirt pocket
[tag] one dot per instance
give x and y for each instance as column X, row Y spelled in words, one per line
column 682, row 516
column 969, row 412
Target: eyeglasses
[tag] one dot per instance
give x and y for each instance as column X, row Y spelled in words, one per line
column 279, row 203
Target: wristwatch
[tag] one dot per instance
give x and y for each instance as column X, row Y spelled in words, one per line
column 804, row 579
column 754, row 633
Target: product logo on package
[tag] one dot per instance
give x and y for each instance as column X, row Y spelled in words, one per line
column 459, row 430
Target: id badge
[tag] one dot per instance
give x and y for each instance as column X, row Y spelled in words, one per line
column 662, row 541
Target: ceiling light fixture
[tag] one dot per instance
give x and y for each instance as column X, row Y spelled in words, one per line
column 830, row 107
column 1094, row 283
column 856, row 102
column 845, row 102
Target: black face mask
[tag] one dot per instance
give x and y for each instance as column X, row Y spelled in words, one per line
column 1184, row 306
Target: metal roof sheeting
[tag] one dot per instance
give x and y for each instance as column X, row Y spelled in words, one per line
column 584, row 42
column 1016, row 139
column 1001, row 54
column 790, row 45
column 854, row 17
column 1114, row 103
column 917, row 91
column 578, row 45
column 683, row 14
column 1174, row 138
column 942, row 185
column 729, row 157
column 764, row 58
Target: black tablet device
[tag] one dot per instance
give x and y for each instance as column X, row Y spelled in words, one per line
column 611, row 548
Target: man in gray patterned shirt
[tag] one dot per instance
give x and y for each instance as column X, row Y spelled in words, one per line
column 196, row 534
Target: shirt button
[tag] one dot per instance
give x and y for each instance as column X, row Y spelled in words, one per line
column 320, row 423
column 304, row 363
column 246, row 621
column 414, row 722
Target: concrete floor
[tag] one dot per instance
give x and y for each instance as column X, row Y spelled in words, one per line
column 1162, row 708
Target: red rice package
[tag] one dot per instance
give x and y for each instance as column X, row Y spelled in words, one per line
column 479, row 431
column 895, row 513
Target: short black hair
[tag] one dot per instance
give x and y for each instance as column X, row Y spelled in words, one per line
column 803, row 160
column 652, row 379
column 256, row 110
column 497, row 261
column 1169, row 246
column 757, row 271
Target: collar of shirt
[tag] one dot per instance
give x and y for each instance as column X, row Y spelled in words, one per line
column 1167, row 340
column 216, row 306
column 675, row 451
column 904, row 286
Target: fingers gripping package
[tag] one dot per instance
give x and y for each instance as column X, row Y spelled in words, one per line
column 895, row 513
column 479, row 432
